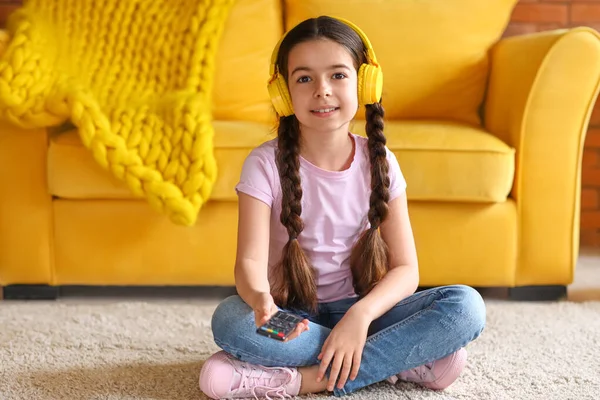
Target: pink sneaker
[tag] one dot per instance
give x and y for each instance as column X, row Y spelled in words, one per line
column 437, row 375
column 225, row 377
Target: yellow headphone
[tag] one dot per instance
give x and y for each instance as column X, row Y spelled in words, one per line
column 370, row 78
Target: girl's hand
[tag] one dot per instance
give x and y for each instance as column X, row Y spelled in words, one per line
column 264, row 308
column 344, row 346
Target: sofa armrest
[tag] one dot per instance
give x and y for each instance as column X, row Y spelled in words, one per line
column 541, row 93
column 25, row 207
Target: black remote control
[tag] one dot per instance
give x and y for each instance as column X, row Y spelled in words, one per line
column 280, row 326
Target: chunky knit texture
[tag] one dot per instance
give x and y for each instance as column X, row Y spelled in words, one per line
column 134, row 76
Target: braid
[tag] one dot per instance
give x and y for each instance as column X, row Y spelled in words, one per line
column 380, row 180
column 369, row 258
column 297, row 289
column 288, row 164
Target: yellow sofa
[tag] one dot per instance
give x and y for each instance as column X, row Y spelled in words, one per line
column 488, row 132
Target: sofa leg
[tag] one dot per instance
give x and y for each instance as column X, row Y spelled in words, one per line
column 30, row 292
column 537, row 293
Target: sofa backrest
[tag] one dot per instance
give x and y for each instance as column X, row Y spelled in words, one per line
column 242, row 64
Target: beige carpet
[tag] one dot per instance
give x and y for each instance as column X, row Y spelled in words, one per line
column 154, row 350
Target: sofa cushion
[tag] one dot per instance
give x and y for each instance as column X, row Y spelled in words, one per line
column 440, row 161
column 242, row 62
column 448, row 161
column 74, row 174
column 434, row 53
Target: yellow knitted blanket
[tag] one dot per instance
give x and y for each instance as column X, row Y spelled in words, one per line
column 134, row 76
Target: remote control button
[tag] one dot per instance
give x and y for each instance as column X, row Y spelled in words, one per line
column 280, row 334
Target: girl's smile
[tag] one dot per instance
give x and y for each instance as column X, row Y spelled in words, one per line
column 324, row 112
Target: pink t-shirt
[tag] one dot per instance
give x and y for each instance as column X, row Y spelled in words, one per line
column 334, row 210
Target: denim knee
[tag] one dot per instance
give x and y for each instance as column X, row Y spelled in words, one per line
column 229, row 317
column 470, row 307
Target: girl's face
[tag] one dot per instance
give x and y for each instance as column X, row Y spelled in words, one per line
column 323, row 85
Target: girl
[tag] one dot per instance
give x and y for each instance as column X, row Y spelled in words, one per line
column 324, row 232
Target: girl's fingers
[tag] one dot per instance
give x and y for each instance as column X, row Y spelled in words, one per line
column 356, row 365
column 325, row 360
column 335, row 371
column 345, row 371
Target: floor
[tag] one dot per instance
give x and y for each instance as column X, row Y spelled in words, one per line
column 586, row 287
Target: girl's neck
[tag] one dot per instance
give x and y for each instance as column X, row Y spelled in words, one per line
column 331, row 152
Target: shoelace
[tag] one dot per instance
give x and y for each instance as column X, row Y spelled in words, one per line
column 251, row 377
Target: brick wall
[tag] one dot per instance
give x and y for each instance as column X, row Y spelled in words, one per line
column 536, row 15
column 533, row 16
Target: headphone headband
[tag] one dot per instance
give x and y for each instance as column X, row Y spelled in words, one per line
column 370, row 52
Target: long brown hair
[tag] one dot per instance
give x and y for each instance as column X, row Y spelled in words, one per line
column 296, row 287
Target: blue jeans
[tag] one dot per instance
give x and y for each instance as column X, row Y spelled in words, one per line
column 422, row 328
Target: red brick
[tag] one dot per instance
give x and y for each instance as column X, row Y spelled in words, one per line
column 590, row 199
column 591, row 158
column 590, row 177
column 541, row 13
column 550, row 26
column 587, row 12
column 589, row 237
column 593, row 25
column 519, row 28
column 590, row 219
column 592, row 138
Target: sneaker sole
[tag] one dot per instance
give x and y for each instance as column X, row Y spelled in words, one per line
column 453, row 372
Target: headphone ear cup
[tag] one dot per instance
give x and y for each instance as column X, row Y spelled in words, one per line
column 370, row 84
column 280, row 97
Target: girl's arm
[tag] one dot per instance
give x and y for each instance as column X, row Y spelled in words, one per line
column 402, row 279
column 252, row 250
column 252, row 259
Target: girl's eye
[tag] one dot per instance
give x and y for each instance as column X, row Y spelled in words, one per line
column 339, row 75
column 303, row 79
